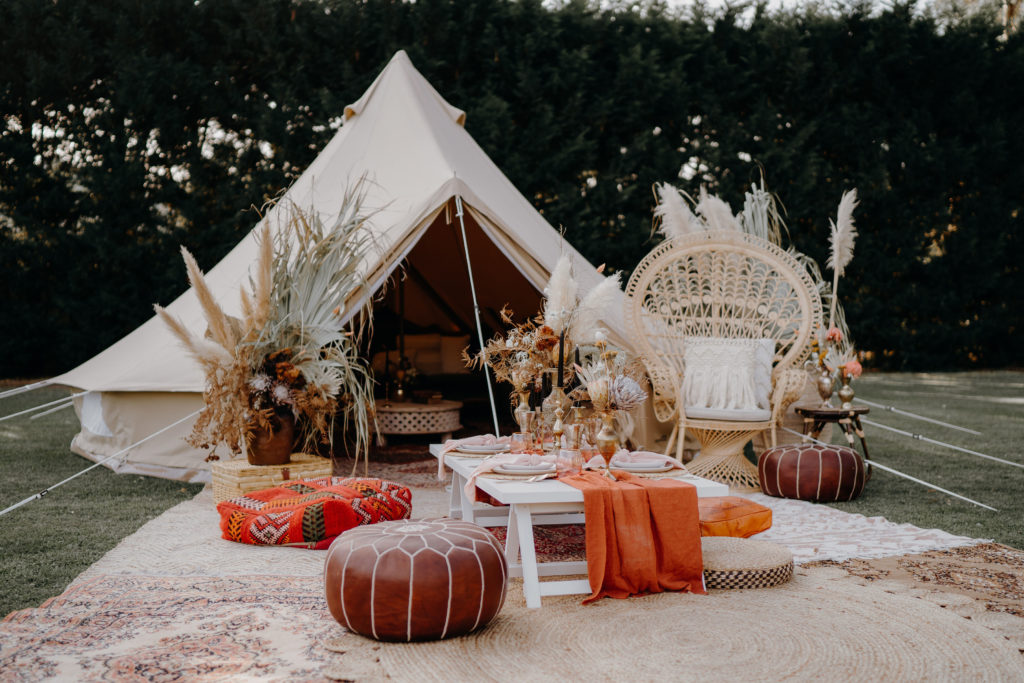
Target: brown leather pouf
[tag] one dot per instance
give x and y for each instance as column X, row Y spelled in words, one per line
column 812, row 472
column 415, row 580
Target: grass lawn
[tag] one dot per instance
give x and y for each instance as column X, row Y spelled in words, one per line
column 989, row 402
column 45, row 544
column 48, row 542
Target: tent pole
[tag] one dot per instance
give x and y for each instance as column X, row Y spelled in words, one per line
column 476, row 312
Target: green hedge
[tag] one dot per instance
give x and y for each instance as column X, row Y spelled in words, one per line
column 108, row 164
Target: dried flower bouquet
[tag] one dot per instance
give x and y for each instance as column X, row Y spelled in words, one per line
column 289, row 352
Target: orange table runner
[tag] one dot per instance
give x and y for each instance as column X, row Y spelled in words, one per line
column 642, row 535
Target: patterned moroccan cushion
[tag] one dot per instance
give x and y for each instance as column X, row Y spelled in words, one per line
column 310, row 513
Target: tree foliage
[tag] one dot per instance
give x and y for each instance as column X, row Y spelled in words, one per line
column 130, row 128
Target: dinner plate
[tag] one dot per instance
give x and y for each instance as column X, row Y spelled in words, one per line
column 525, row 470
column 644, row 468
column 489, row 449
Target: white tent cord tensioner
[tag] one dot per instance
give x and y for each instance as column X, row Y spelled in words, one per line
column 42, row 493
column 873, row 463
column 476, row 312
column 27, row 387
column 894, row 409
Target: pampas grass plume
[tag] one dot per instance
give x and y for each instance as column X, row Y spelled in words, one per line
column 220, row 327
column 675, row 217
column 595, row 306
column 716, row 213
column 560, row 295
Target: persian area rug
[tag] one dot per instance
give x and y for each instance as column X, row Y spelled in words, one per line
column 983, row 582
column 146, row 628
column 113, row 628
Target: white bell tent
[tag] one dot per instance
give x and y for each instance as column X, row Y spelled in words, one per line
column 418, row 163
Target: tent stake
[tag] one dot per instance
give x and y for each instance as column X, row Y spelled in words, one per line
column 873, row 463
column 476, row 313
column 42, row 493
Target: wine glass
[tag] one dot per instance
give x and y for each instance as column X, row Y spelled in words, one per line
column 520, row 442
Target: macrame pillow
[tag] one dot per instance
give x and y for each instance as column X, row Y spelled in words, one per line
column 310, row 513
column 727, row 379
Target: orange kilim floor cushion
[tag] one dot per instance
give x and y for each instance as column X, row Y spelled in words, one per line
column 310, row 513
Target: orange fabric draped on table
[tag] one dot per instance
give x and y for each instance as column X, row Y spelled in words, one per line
column 642, row 535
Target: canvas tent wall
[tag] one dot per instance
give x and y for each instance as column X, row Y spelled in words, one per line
column 416, row 157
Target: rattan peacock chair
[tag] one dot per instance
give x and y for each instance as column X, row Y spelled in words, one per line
column 723, row 321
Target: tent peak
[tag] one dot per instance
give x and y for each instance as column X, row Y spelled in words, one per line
column 400, row 72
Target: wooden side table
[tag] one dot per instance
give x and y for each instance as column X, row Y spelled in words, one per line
column 848, row 419
column 418, row 418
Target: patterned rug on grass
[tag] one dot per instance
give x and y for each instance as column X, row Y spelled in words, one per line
column 273, row 628
column 147, row 628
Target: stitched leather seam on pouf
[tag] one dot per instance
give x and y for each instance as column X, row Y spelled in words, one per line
column 415, row 580
column 812, row 472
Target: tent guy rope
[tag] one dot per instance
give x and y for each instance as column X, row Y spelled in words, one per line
column 69, row 402
column 920, row 437
column 894, row 409
column 37, row 496
column 26, row 388
column 884, row 468
column 45, row 405
column 476, row 312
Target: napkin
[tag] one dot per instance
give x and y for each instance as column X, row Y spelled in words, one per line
column 489, row 464
column 624, row 457
column 453, row 444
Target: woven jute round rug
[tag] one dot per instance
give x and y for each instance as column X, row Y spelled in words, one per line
column 815, row 627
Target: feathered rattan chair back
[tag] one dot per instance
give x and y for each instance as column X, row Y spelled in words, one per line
column 725, row 284
column 719, row 286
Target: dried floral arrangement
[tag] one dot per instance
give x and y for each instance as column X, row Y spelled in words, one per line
column 289, row 353
column 615, row 382
column 546, row 342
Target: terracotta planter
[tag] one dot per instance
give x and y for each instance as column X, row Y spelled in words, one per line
column 272, row 446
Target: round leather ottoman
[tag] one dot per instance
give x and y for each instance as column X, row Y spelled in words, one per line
column 415, row 580
column 812, row 472
column 744, row 563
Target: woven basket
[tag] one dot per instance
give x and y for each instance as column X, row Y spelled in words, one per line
column 233, row 478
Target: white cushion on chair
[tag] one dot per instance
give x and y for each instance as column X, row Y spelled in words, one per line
column 727, row 379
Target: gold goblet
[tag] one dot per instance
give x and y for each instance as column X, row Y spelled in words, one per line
column 607, row 444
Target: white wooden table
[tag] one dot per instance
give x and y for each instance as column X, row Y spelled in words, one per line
column 538, row 502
